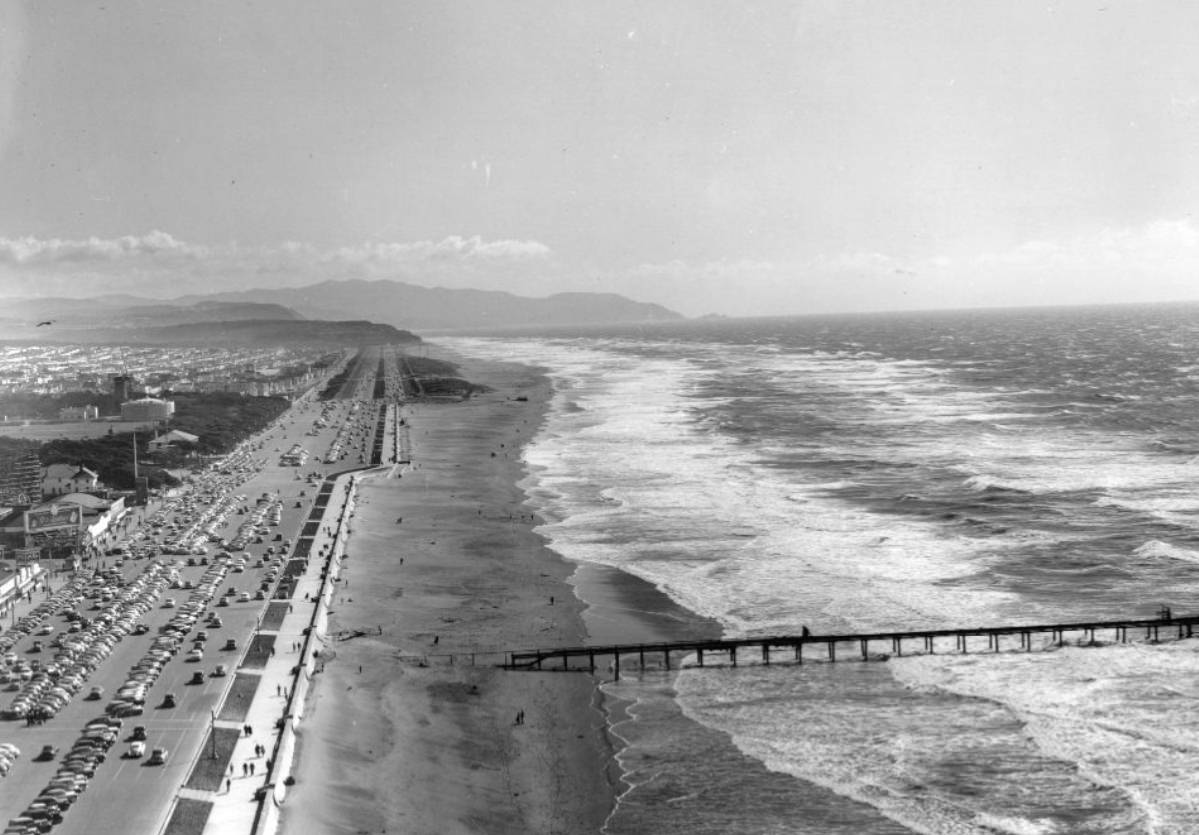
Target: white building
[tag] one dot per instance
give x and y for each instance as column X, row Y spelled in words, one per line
column 147, row 409
column 171, row 438
column 59, row 479
column 88, row 412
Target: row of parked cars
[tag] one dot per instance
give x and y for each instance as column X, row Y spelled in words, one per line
column 130, row 699
column 267, row 513
column 343, row 433
column 78, row 654
column 76, row 767
column 101, row 607
column 8, row 755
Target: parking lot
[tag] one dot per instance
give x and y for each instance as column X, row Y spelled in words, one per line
column 135, row 644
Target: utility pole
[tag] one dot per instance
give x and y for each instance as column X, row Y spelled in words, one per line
column 212, row 731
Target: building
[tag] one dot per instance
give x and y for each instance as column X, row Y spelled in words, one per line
column 122, row 387
column 88, row 412
column 59, row 479
column 171, row 438
column 101, row 518
column 56, row 529
column 147, row 409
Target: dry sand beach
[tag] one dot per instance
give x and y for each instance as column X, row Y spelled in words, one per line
column 404, row 733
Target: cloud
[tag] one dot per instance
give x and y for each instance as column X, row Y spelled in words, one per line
column 154, row 245
column 453, row 248
column 1153, row 261
column 1163, row 244
column 158, row 263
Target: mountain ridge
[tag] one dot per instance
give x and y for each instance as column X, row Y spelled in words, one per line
column 414, row 306
column 240, row 332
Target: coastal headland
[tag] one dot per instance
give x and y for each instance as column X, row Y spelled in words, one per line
column 411, row 725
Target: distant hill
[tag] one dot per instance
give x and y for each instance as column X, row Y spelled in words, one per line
column 246, row 332
column 19, row 318
column 438, row 308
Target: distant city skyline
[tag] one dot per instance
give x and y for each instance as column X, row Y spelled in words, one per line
column 782, row 158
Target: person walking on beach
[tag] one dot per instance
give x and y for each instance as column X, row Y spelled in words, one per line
column 805, row 633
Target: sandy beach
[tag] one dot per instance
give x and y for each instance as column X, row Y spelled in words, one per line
column 403, row 732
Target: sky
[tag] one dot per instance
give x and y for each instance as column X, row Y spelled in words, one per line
column 740, row 159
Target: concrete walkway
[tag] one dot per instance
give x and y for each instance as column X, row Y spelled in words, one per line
column 282, row 686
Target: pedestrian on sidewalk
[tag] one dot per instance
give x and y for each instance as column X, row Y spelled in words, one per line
column 228, row 784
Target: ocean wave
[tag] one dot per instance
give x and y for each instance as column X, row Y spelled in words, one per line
column 1164, row 550
column 797, row 495
column 1102, row 710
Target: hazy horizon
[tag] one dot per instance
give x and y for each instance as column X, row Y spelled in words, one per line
column 786, row 158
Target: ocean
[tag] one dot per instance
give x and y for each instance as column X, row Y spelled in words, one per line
column 877, row 472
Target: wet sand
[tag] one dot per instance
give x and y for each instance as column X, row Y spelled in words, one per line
column 403, row 732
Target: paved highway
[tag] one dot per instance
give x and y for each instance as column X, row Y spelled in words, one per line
column 129, row 795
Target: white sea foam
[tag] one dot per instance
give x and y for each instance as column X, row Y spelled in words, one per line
column 1125, row 715
column 632, row 479
column 681, row 493
column 1164, row 550
column 1017, row 826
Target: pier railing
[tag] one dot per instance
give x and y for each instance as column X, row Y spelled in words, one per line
column 566, row 658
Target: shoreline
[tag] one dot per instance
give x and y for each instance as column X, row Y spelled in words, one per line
column 443, row 566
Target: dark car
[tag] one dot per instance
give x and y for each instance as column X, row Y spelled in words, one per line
column 48, row 752
column 139, row 733
column 231, row 644
column 197, row 677
column 168, row 700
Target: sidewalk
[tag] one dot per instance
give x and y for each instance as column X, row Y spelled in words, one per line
column 283, row 683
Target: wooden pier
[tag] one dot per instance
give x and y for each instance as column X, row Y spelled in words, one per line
column 793, row 647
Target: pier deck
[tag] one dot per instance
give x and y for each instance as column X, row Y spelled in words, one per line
column 561, row 657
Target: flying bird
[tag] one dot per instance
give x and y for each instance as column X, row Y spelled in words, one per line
column 47, row 322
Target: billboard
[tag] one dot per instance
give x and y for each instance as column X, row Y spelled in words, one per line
column 55, row 517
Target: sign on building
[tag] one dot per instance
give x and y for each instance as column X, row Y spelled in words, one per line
column 56, row 517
